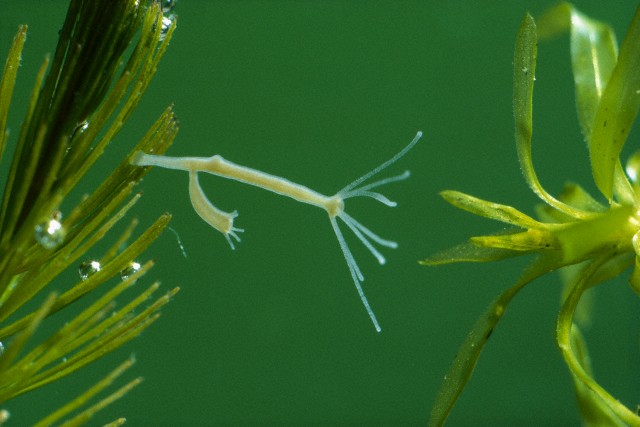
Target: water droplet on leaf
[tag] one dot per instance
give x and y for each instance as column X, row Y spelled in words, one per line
column 166, row 23
column 88, row 268
column 80, row 128
column 131, row 269
column 50, row 233
column 168, row 5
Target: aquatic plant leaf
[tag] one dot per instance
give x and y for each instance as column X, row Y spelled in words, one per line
column 593, row 56
column 593, row 410
column 133, row 82
column 14, row 172
column 601, row 233
column 623, row 191
column 524, row 67
column 502, row 213
column 524, row 241
column 468, row 252
column 9, row 80
column 584, row 311
column 634, row 280
column 596, row 242
column 574, row 195
column 21, row 339
column 465, row 361
column 572, row 355
column 76, row 108
column 88, row 394
column 84, row 416
column 617, row 111
column 594, row 52
column 133, row 251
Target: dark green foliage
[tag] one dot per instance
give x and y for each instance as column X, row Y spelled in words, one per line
column 76, row 108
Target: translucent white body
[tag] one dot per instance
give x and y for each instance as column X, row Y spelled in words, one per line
column 333, row 205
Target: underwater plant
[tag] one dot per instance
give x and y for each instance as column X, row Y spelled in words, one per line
column 106, row 55
column 600, row 238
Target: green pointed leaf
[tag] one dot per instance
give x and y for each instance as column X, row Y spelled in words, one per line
column 525, row 241
column 524, row 67
column 502, row 213
column 634, row 280
column 465, row 361
column 593, row 410
column 468, row 252
column 8, row 81
column 68, row 123
column 573, row 195
column 583, row 239
column 87, row 395
column 617, row 110
column 611, row 269
column 573, row 355
column 593, row 56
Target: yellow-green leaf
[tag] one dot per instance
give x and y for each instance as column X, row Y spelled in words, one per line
column 601, row 233
column 465, row 361
column 573, row 195
column 468, row 252
column 8, row 81
column 593, row 410
column 617, row 110
column 525, row 241
column 573, row 355
column 524, row 67
column 502, row 213
column 593, row 56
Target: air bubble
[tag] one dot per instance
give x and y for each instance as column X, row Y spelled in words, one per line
column 166, row 24
column 131, row 269
column 80, row 128
column 632, row 167
column 1, row 348
column 168, row 5
column 50, row 234
column 88, row 269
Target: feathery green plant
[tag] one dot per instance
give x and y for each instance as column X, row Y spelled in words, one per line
column 601, row 239
column 80, row 101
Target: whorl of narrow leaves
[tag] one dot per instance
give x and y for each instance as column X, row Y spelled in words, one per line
column 599, row 240
column 81, row 99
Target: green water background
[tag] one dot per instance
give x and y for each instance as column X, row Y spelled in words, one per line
column 321, row 92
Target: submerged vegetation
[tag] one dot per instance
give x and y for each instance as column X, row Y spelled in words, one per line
column 106, row 55
column 600, row 238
